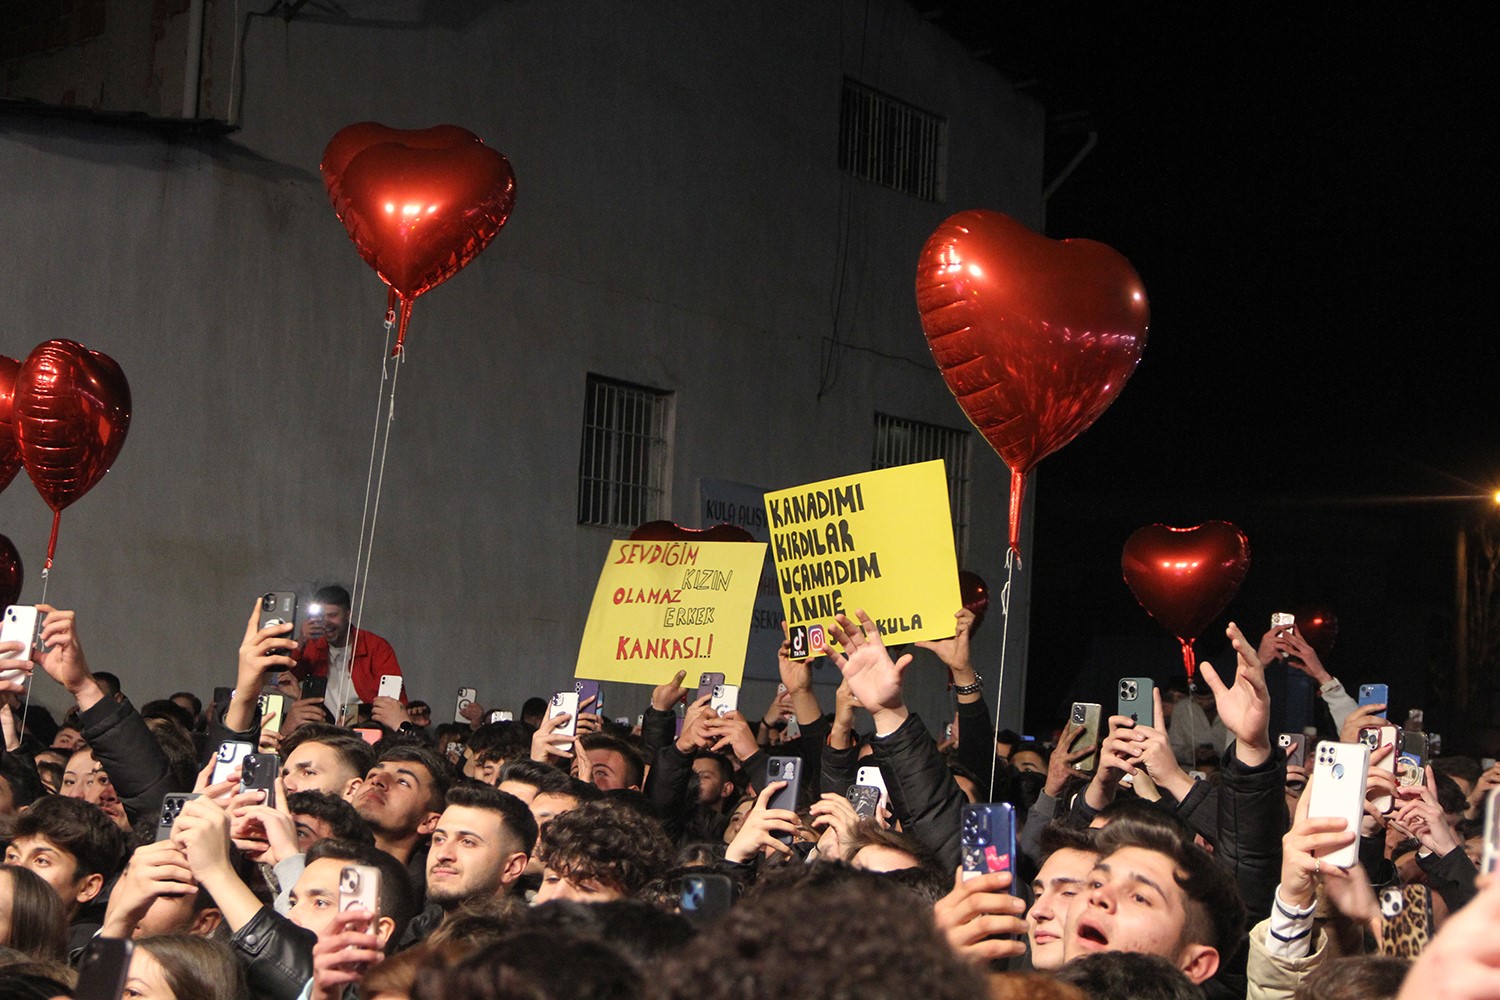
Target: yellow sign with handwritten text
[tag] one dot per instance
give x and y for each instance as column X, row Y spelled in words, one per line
column 661, row 607
column 881, row 541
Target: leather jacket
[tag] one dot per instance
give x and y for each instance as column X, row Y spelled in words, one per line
column 276, row 955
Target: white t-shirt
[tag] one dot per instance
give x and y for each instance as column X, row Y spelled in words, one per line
column 340, row 680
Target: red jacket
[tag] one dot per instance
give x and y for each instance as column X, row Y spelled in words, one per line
column 373, row 658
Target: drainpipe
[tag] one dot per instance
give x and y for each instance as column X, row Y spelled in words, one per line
column 193, row 70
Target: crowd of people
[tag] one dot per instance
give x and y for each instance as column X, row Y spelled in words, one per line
column 553, row 856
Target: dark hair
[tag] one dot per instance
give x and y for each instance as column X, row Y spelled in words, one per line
column 542, row 777
column 165, row 708
column 21, row 983
column 46, row 769
column 78, row 827
column 613, row 844
column 353, row 752
column 1060, row 836
column 868, row 833
column 1128, row 975
column 1213, row 913
column 752, row 953
column 1357, row 977
column 635, row 767
column 535, row 965
column 177, row 747
column 437, row 765
column 344, row 822
column 505, row 741
column 41, row 724
column 24, row 781
column 197, row 708
column 38, row 923
column 534, row 706
column 515, row 816
column 197, row 967
column 640, row 931
column 397, row 900
column 333, row 594
column 1450, row 796
column 108, row 681
column 726, row 769
column 930, row 883
column 1466, row 768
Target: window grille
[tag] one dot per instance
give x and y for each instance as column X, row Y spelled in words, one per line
column 625, row 461
column 885, row 140
column 904, row 442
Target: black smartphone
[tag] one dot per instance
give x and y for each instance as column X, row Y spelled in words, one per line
column 865, row 799
column 103, row 969
column 315, row 687
column 988, row 840
column 704, row 898
column 260, row 772
column 171, row 805
column 278, row 608
column 788, row 769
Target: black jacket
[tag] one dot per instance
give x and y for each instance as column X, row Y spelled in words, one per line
column 924, row 796
column 130, row 755
column 276, row 955
column 1252, row 819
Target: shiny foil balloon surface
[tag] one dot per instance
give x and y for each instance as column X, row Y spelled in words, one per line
column 72, row 412
column 418, row 204
column 1035, row 337
column 10, row 454
column 1186, row 577
column 976, row 596
column 12, row 574
column 668, row 531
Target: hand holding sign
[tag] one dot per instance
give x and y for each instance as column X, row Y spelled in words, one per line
column 874, row 678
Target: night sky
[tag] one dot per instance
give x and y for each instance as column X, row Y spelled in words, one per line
column 1309, row 197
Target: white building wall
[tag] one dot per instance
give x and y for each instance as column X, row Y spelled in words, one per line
column 679, row 223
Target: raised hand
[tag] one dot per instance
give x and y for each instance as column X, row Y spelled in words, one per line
column 874, row 678
column 760, row 828
column 1244, row 706
column 63, row 660
column 981, row 920
column 1060, row 766
column 954, row 652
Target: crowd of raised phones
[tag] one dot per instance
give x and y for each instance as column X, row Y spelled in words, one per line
column 798, row 852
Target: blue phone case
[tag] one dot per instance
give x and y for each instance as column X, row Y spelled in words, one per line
column 988, row 832
column 1374, row 694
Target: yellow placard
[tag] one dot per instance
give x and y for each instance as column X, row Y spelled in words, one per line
column 881, row 541
column 661, row 607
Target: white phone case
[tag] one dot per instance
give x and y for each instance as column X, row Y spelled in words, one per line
column 390, row 686
column 1489, row 860
column 1337, row 788
column 18, row 625
column 466, row 698
column 726, row 698
column 871, row 775
column 565, row 703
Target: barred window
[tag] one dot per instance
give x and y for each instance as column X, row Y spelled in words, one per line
column 885, row 140
column 625, row 461
column 904, row 442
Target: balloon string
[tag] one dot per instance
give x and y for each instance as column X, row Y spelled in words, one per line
column 1012, row 560
column 360, row 557
column 375, row 511
column 26, row 702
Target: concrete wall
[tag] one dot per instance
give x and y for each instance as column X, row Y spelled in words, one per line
column 678, row 223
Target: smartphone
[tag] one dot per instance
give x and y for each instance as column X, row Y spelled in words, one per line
column 232, row 754
column 272, row 711
column 1086, row 714
column 499, row 715
column 1374, row 694
column 565, row 703
column 278, row 608
column 1337, row 788
column 466, row 698
column 588, row 689
column 260, row 772
column 726, row 698
column 865, row 799
column 171, row 805
column 1487, row 762
column 1295, row 745
column 370, row 736
column 704, row 898
column 22, row 624
column 1376, row 737
column 103, row 969
column 1410, row 758
column 1283, row 621
column 315, row 687
column 793, row 729
column 1136, row 702
column 1489, row 860
column 788, row 769
column 871, row 775
column 359, row 889
column 987, row 835
column 706, row 685
column 390, row 686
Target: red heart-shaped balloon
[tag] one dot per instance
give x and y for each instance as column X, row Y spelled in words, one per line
column 1186, row 577
column 668, row 531
column 1034, row 337
column 72, row 412
column 418, row 204
column 12, row 574
column 10, row 455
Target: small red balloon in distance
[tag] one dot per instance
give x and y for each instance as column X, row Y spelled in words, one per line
column 12, row 573
column 976, row 597
column 1186, row 577
column 71, row 412
column 667, row 531
column 1035, row 337
column 419, row 204
column 10, row 454
column 1319, row 627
